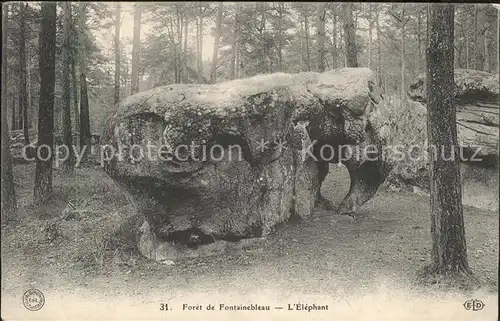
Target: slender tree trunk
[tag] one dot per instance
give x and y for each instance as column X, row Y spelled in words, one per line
column 234, row 45
column 66, row 98
column 370, row 36
column 74, row 87
column 178, row 62
column 8, row 196
column 403, row 53
column 342, row 41
column 174, row 43
column 20, row 110
column 201, row 72
column 126, row 77
column 84, row 98
column 449, row 251
column 281, row 7
column 23, row 93
column 213, row 69
column 241, row 65
column 476, row 47
column 29, row 89
column 320, row 35
column 198, row 70
column 136, row 48
column 301, row 47
column 467, row 46
column 498, row 41
column 264, row 65
column 350, row 36
column 237, row 63
column 20, row 116
column 486, row 52
column 455, row 45
column 117, row 53
column 179, row 40
column 43, row 174
column 185, row 52
column 427, row 14
column 419, row 41
column 335, row 54
column 13, row 111
column 306, row 27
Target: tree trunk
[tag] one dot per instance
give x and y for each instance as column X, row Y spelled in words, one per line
column 456, row 63
column 185, row 52
column 350, row 36
column 237, row 63
column 213, row 69
column 498, row 40
column 201, row 71
column 136, row 48
column 174, row 43
column 234, row 46
column 281, row 7
column 467, row 46
column 264, row 65
column 29, row 89
column 198, row 70
column 117, row 53
column 47, row 63
column 334, row 42
column 84, row 98
column 23, row 93
column 301, row 47
column 306, row 27
column 66, row 94
column 370, row 27
column 476, row 47
column 320, row 35
column 8, row 197
column 486, row 52
column 74, row 83
column 449, row 251
column 13, row 112
column 342, row 41
column 427, row 15
column 419, row 41
column 125, row 77
column 178, row 64
column 403, row 53
column 19, row 109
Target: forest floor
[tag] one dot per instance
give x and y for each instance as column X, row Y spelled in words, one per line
column 77, row 250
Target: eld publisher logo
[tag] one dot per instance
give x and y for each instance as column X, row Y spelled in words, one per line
column 474, row 305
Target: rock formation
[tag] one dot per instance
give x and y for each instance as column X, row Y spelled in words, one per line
column 477, row 103
column 191, row 184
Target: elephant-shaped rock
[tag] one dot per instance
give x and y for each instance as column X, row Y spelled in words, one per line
column 234, row 160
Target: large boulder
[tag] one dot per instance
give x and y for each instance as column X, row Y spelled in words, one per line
column 196, row 189
column 477, row 103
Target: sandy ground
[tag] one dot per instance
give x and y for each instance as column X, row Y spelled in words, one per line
column 362, row 270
